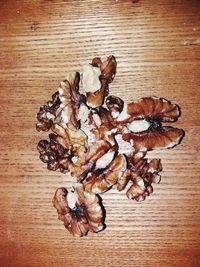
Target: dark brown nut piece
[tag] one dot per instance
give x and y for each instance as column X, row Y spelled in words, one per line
column 96, row 79
column 54, row 153
column 86, row 162
column 107, row 67
column 47, row 113
column 80, row 211
column 142, row 174
column 165, row 137
column 106, row 130
column 106, row 119
column 149, row 108
column 102, row 179
column 153, row 108
column 143, row 121
column 115, row 105
column 96, row 99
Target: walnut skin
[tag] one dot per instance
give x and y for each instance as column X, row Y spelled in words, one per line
column 165, row 137
column 80, row 211
column 71, row 99
column 47, row 113
column 103, row 179
column 142, row 121
column 87, row 161
column 107, row 74
column 142, row 174
column 54, row 153
column 102, row 143
column 115, row 105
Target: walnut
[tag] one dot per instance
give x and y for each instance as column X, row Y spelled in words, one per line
column 106, row 130
column 80, row 211
column 91, row 81
column 107, row 67
column 90, row 124
column 102, row 142
column 115, row 105
column 71, row 100
column 103, row 72
column 47, row 113
column 73, row 138
column 104, row 177
column 142, row 174
column 142, row 121
column 164, row 137
column 54, row 153
column 64, row 105
column 157, row 109
column 86, row 162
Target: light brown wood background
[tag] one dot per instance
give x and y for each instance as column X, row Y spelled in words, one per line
column 157, row 46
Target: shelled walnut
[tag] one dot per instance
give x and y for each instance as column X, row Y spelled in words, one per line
column 54, row 153
column 141, row 174
column 80, row 211
column 102, row 179
column 102, row 142
column 96, row 78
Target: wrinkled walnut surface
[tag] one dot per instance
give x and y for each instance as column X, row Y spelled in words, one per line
column 102, row 142
column 80, row 211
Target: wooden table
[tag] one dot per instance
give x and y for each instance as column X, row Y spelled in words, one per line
column 157, row 46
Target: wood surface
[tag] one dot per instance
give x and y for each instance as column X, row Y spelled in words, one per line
column 157, row 46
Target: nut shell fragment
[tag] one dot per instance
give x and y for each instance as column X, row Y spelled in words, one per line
column 80, row 211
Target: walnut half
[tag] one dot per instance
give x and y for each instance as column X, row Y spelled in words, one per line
column 102, row 179
column 80, row 211
column 141, row 122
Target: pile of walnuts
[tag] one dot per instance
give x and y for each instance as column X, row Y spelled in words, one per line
column 102, row 142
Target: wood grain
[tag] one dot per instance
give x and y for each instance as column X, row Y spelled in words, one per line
column 157, row 46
